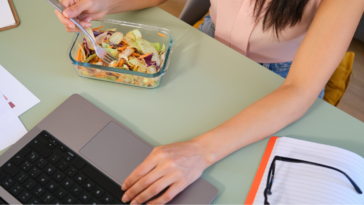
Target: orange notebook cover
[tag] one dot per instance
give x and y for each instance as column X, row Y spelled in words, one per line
column 259, row 175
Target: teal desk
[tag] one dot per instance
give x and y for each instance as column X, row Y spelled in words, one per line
column 207, row 83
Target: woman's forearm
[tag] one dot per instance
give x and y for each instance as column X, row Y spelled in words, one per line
column 259, row 120
column 317, row 58
column 117, row 6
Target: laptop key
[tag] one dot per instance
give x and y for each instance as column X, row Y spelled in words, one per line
column 107, row 198
column 43, row 179
column 47, row 198
column 54, row 158
column 45, row 135
column 24, row 196
column 71, row 171
column 58, row 176
column 62, row 165
column 11, row 168
column 78, row 162
column 41, row 163
column 26, row 165
column 56, row 202
column 50, row 145
column 16, row 189
column 76, row 190
column 38, row 191
column 69, row 199
column 7, row 183
column 89, row 185
column 84, row 197
column 19, row 157
column 62, row 147
column 94, row 201
column 53, row 141
column 40, row 148
column 21, row 177
column 79, row 178
column 60, row 193
column 97, row 192
column 51, row 186
column 67, row 183
column 49, row 169
column 33, row 156
column 29, row 184
column 34, row 201
column 69, row 155
column 34, row 172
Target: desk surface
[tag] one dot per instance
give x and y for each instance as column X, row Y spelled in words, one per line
column 207, row 83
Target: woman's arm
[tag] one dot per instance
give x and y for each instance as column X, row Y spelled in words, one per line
column 88, row 10
column 178, row 165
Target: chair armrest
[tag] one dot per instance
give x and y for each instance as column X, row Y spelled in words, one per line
column 360, row 31
column 194, row 10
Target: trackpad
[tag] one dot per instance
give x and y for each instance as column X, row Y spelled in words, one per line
column 116, row 151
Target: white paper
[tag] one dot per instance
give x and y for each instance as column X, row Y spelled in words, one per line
column 11, row 128
column 6, row 16
column 297, row 183
column 18, row 96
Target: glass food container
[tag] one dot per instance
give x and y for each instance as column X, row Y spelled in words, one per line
column 118, row 75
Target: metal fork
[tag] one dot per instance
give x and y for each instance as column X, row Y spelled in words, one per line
column 101, row 53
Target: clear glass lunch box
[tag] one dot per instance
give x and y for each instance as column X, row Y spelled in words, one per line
column 117, row 75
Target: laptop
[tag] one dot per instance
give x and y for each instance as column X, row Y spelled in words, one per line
column 79, row 154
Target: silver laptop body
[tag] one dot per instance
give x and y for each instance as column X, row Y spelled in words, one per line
column 103, row 142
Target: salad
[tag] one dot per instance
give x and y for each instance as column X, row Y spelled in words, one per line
column 133, row 52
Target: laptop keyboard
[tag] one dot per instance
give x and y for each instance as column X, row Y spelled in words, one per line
column 46, row 171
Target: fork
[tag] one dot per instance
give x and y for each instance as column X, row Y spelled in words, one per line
column 100, row 52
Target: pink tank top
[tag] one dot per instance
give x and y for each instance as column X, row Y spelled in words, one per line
column 236, row 28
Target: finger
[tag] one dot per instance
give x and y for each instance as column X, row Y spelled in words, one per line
column 138, row 173
column 95, row 16
column 171, row 192
column 153, row 190
column 76, row 9
column 68, row 23
column 68, row 3
column 142, row 184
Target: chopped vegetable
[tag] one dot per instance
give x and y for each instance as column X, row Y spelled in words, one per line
column 89, row 43
column 162, row 35
column 101, row 38
column 116, row 38
column 98, row 28
column 163, row 48
column 90, row 58
column 157, row 46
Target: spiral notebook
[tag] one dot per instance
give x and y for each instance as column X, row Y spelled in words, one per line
column 298, row 183
column 8, row 16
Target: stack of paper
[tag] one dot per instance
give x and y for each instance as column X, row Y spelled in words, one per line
column 6, row 16
column 11, row 128
column 15, row 99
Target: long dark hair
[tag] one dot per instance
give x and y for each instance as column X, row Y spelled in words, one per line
column 279, row 14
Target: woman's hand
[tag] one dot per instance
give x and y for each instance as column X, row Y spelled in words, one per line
column 173, row 166
column 84, row 10
column 88, row 10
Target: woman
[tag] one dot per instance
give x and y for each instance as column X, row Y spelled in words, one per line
column 314, row 34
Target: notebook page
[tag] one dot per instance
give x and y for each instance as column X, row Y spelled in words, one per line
column 296, row 183
column 6, row 16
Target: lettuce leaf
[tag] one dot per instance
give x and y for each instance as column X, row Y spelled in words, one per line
column 148, row 47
